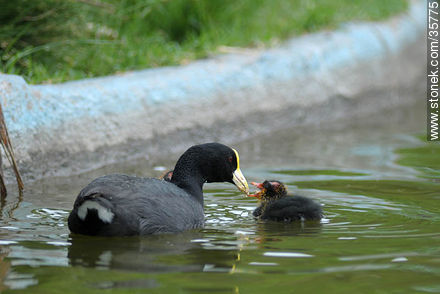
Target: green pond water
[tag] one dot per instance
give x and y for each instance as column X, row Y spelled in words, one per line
column 377, row 179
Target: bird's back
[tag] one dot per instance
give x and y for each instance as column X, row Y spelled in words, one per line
column 290, row 208
column 126, row 205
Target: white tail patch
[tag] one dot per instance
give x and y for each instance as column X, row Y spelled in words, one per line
column 104, row 214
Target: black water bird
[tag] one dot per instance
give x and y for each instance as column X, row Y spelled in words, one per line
column 277, row 205
column 121, row 205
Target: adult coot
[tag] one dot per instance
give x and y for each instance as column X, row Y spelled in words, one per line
column 277, row 205
column 127, row 205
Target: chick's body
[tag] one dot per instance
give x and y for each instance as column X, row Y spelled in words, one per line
column 277, row 205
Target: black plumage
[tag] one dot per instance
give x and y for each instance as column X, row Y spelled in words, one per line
column 127, row 205
column 277, row 205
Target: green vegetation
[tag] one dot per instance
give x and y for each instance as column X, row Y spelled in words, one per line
column 59, row 40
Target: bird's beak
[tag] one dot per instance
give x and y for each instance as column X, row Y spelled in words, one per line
column 258, row 185
column 257, row 194
column 238, row 178
column 240, row 181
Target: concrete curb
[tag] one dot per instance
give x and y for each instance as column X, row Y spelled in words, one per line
column 70, row 127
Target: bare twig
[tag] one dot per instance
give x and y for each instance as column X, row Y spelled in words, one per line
column 40, row 16
column 9, row 152
column 3, row 191
column 97, row 3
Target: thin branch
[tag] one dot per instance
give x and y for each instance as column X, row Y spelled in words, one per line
column 97, row 3
column 9, row 151
column 40, row 16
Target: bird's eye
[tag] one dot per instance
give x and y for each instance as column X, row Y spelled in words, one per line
column 230, row 159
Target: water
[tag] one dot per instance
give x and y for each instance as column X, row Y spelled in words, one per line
column 378, row 183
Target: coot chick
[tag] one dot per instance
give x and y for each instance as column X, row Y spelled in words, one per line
column 277, row 205
column 121, row 205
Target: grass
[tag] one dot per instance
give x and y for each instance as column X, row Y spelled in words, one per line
column 50, row 41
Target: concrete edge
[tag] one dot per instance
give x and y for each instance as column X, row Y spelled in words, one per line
column 70, row 127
